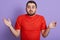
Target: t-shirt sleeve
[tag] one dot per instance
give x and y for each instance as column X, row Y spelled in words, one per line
column 43, row 26
column 18, row 23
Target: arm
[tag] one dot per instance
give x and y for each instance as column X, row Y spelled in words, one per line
column 8, row 24
column 15, row 32
column 46, row 32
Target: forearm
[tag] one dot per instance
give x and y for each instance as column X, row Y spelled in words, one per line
column 14, row 32
column 46, row 32
column 8, row 24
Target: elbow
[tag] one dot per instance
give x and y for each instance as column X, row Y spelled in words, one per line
column 16, row 36
column 44, row 36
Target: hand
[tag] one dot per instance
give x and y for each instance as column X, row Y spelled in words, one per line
column 52, row 25
column 7, row 22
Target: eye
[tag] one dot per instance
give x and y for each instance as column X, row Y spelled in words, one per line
column 28, row 6
column 33, row 7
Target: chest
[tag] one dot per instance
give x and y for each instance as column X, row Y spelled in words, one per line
column 31, row 24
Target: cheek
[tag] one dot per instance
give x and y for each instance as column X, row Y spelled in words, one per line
column 27, row 9
column 34, row 10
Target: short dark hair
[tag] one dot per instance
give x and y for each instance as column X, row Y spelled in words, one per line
column 31, row 2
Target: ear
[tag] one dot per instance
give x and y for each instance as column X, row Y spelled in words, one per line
column 26, row 9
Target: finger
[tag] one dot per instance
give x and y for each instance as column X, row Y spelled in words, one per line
column 54, row 25
column 9, row 19
column 54, row 22
column 4, row 19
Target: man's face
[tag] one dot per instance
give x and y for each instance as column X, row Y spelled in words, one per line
column 31, row 9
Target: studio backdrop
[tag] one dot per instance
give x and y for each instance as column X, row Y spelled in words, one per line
column 13, row 8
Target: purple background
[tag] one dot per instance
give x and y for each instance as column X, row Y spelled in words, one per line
column 13, row 8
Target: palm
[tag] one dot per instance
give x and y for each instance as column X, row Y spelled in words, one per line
column 7, row 22
column 52, row 25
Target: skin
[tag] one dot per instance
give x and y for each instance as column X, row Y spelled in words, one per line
column 31, row 10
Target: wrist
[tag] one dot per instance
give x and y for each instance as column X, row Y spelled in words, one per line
column 10, row 26
column 48, row 27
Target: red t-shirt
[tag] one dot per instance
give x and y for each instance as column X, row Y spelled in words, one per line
column 30, row 26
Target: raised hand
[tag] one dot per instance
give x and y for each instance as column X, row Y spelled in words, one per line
column 7, row 22
column 52, row 25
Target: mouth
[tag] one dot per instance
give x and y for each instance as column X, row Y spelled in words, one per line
column 30, row 11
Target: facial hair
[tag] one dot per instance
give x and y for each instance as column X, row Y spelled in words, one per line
column 31, row 14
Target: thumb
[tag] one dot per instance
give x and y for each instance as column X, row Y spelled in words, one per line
column 4, row 19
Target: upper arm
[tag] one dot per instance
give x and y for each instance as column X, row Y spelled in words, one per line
column 18, row 23
column 43, row 24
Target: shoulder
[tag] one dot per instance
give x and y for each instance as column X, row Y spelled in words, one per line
column 22, row 15
column 40, row 16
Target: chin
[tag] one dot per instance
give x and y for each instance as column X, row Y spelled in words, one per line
column 31, row 14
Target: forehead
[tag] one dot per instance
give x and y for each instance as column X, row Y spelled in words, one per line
column 31, row 4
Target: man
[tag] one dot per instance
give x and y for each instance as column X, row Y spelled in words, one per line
column 30, row 25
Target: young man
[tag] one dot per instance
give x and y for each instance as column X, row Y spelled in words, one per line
column 30, row 25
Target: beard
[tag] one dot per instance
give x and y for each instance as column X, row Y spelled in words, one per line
column 30, row 14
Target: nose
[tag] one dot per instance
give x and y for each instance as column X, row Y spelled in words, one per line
column 30, row 8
